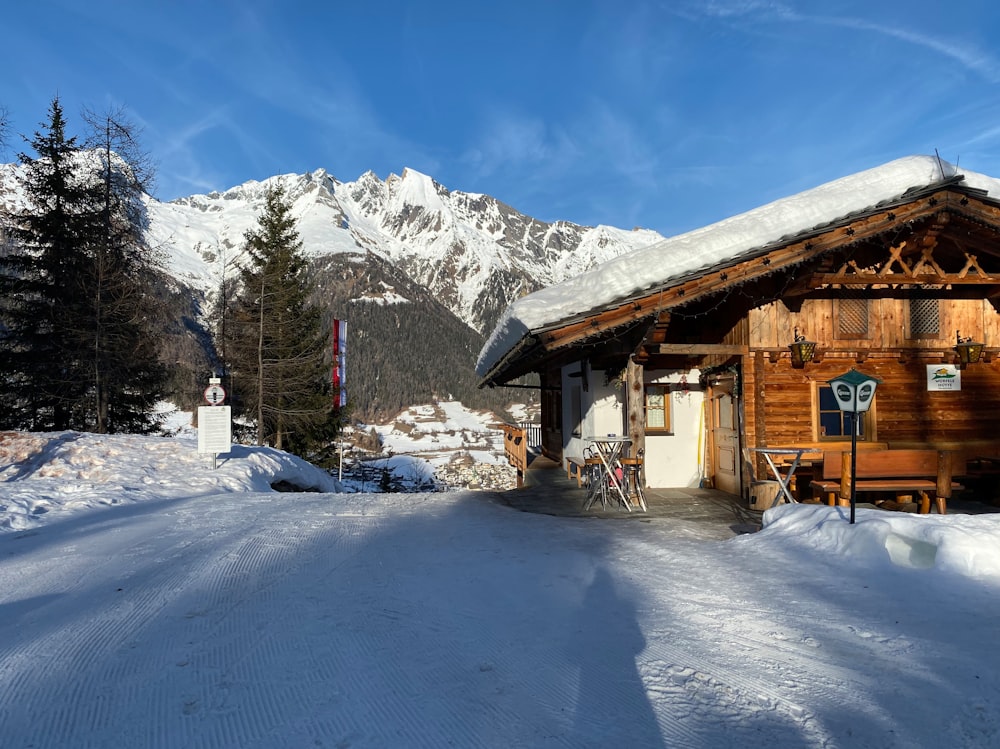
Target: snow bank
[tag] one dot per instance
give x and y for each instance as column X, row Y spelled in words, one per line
column 41, row 472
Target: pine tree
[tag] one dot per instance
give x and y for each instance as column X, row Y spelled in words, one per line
column 42, row 279
column 279, row 360
column 75, row 284
column 4, row 125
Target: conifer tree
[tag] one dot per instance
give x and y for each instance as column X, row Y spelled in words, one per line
column 123, row 370
column 74, row 284
column 42, row 286
column 279, row 360
column 4, row 125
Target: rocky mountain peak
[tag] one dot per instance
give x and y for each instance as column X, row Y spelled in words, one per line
column 471, row 251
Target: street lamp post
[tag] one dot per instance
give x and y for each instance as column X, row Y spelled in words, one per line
column 854, row 392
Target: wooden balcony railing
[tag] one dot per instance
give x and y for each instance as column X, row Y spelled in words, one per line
column 515, row 447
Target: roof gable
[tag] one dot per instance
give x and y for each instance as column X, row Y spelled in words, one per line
column 696, row 254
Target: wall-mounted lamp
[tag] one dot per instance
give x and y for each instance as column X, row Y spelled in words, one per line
column 969, row 352
column 802, row 350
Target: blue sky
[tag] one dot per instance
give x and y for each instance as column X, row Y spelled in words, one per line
column 667, row 115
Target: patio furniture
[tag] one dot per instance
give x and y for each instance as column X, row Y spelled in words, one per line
column 633, row 478
column 609, row 450
column 784, row 480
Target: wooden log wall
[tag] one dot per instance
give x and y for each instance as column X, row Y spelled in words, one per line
column 780, row 400
column 772, row 326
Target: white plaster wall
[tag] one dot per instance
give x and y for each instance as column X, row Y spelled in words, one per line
column 608, row 411
column 677, row 460
column 602, row 408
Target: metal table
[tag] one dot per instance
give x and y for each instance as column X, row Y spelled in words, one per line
column 609, row 448
column 785, row 481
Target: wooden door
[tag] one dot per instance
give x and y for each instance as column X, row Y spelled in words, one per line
column 725, row 438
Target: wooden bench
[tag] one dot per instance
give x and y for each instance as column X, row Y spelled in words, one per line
column 574, row 470
column 902, row 473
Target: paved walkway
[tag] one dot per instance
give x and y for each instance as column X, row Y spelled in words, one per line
column 548, row 491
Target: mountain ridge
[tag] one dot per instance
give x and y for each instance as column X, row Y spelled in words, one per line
column 466, row 248
column 420, row 272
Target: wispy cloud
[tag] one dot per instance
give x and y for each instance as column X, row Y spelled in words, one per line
column 512, row 141
column 183, row 167
column 961, row 51
column 734, row 10
column 738, row 8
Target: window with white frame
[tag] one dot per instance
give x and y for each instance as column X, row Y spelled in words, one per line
column 658, row 409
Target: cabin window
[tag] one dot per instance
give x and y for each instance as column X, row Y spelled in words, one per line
column 835, row 424
column 852, row 317
column 924, row 318
column 658, row 408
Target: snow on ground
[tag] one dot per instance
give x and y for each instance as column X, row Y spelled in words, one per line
column 435, row 445
column 68, row 471
column 160, row 603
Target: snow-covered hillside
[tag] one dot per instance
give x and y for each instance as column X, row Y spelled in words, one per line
column 474, row 253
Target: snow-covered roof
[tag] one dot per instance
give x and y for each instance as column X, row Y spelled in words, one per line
column 707, row 247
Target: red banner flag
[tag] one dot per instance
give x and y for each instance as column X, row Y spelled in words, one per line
column 339, row 363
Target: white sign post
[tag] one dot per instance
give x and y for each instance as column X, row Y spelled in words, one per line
column 215, row 431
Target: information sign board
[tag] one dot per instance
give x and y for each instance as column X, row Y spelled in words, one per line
column 943, row 377
column 215, row 429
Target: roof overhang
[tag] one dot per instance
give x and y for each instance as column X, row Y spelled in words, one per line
column 786, row 255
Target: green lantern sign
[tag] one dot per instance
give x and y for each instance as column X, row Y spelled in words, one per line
column 854, row 392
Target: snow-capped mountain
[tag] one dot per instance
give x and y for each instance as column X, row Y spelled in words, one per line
column 420, row 272
column 472, row 252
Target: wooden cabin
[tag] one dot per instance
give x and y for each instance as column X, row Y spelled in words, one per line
column 886, row 272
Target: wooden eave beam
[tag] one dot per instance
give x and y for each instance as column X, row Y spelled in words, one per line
column 923, row 279
column 903, row 291
column 599, row 324
column 703, row 349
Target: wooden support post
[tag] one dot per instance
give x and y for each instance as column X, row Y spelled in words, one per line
column 943, row 481
column 925, row 503
column 635, row 403
column 845, row 479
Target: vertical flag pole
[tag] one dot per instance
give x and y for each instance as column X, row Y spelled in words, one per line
column 339, row 378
